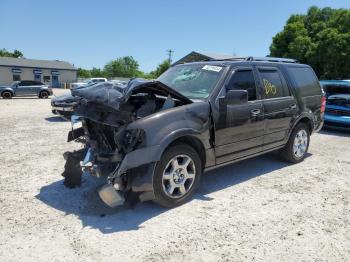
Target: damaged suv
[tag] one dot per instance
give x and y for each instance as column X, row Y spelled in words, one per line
column 152, row 140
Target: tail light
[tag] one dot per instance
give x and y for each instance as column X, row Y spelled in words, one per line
column 323, row 104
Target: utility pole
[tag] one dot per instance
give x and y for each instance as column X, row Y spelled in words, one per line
column 170, row 52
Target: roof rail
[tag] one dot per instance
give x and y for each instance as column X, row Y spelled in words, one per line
column 271, row 59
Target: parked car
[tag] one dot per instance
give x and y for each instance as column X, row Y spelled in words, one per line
column 65, row 105
column 154, row 140
column 89, row 81
column 338, row 103
column 26, row 88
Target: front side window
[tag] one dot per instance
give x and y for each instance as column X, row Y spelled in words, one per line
column 25, row 83
column 273, row 86
column 243, row 80
column 195, row 81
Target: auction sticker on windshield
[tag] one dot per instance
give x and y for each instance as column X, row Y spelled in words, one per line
column 212, row 68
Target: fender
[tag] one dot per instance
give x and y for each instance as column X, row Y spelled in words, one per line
column 162, row 129
column 8, row 89
column 297, row 121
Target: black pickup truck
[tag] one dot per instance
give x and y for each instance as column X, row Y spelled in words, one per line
column 152, row 140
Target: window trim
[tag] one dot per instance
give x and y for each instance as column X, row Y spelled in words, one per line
column 283, row 80
column 230, row 74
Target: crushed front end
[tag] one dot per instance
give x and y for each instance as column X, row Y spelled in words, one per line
column 105, row 112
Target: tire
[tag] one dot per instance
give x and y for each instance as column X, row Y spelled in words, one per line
column 298, row 144
column 175, row 187
column 44, row 94
column 6, row 95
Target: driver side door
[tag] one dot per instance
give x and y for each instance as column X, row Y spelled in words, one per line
column 239, row 127
column 25, row 88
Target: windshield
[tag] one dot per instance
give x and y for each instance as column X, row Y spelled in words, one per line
column 195, row 81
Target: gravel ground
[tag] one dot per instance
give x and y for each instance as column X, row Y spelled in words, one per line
column 256, row 210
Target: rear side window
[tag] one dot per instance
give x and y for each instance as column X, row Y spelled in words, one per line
column 243, row 80
column 273, row 84
column 306, row 80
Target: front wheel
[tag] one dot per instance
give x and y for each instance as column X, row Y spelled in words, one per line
column 177, row 175
column 298, row 144
column 6, row 95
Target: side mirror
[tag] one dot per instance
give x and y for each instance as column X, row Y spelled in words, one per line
column 236, row 97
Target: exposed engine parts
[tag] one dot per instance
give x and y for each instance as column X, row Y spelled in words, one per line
column 106, row 114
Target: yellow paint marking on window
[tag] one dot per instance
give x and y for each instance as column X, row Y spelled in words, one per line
column 269, row 87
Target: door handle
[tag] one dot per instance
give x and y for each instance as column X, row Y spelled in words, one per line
column 255, row 112
column 293, row 106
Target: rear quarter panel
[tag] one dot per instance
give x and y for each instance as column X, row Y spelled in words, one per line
column 308, row 93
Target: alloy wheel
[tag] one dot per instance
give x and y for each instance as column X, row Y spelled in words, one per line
column 178, row 176
column 300, row 143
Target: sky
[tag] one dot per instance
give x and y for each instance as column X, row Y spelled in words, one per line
column 91, row 33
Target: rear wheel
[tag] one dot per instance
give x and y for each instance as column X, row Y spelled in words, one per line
column 43, row 94
column 6, row 95
column 298, row 144
column 177, row 175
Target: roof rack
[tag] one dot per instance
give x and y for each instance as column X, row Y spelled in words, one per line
column 271, row 59
column 266, row 59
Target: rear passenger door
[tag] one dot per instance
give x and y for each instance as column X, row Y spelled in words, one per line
column 279, row 106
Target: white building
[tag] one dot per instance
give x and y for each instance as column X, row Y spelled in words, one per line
column 49, row 72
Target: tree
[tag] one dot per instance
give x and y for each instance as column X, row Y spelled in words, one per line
column 321, row 38
column 97, row 72
column 16, row 53
column 125, row 66
column 161, row 68
column 84, row 73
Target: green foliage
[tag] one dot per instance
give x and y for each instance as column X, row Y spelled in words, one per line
column 321, row 38
column 84, row 73
column 125, row 66
column 16, row 53
column 97, row 72
column 161, row 68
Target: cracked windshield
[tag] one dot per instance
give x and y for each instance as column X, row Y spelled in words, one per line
column 193, row 81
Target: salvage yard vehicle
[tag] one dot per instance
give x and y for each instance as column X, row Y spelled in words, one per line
column 153, row 140
column 65, row 105
column 89, row 81
column 25, row 88
column 338, row 103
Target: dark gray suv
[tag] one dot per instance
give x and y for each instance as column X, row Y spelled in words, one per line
column 153, row 139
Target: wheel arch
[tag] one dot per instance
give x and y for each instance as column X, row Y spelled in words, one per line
column 305, row 119
column 308, row 122
column 42, row 91
column 7, row 90
column 192, row 141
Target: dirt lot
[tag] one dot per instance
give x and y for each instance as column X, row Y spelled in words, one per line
column 260, row 209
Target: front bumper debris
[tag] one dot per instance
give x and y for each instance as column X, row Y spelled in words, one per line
column 111, row 196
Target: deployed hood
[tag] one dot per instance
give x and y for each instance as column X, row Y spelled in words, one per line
column 113, row 95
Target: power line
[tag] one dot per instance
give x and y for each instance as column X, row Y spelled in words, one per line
column 170, row 52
